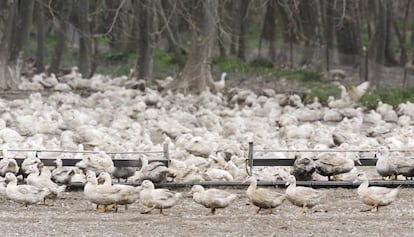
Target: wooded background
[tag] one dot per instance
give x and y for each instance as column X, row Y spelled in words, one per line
column 366, row 36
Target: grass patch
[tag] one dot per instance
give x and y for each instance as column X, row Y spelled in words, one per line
column 393, row 97
column 263, row 67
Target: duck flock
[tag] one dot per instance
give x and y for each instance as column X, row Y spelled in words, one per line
column 208, row 137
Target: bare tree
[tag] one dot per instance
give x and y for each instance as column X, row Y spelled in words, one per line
column 169, row 17
column 377, row 48
column 85, row 42
column 269, row 29
column 309, row 22
column 243, row 26
column 40, row 22
column 196, row 75
column 144, row 12
column 63, row 9
column 14, row 40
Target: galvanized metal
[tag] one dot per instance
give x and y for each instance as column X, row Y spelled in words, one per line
column 276, row 184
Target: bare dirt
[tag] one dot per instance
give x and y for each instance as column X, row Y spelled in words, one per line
column 338, row 215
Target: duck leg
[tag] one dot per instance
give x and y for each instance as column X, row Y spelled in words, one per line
column 115, row 206
column 303, row 210
column 126, row 206
column 258, row 210
column 148, row 210
column 104, row 209
column 212, row 211
column 269, row 210
column 161, row 212
column 368, row 209
column 97, row 206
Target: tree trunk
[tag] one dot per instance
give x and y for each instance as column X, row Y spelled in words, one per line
column 243, row 26
column 85, row 42
column 390, row 58
column 377, row 48
column 287, row 12
column 63, row 8
column 220, row 29
column 269, row 30
column 115, row 24
column 234, row 30
column 15, row 39
column 196, row 75
column 169, row 16
column 329, row 23
column 309, row 20
column 348, row 36
column 40, row 50
column 144, row 63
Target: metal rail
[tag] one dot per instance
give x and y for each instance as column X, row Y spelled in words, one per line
column 49, row 161
column 276, row 184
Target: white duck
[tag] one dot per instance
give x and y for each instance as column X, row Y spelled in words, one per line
column 389, row 166
column 7, row 165
column 212, row 198
column 62, row 174
column 157, row 198
column 97, row 162
column 216, row 174
column 99, row 194
column 331, row 164
column 263, row 198
column 375, row 197
column 24, row 194
column 303, row 197
column 43, row 181
column 127, row 194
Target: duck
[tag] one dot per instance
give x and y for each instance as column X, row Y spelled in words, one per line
column 122, row 172
column 7, row 165
column 263, row 198
column 99, row 194
column 156, row 172
column 303, row 197
column 24, row 194
column 97, row 162
column 391, row 167
column 217, row 174
column 62, row 174
column 303, row 168
column 127, row 193
column 330, row 164
column 42, row 180
column 212, row 198
column 29, row 160
column 375, row 197
column 157, row 198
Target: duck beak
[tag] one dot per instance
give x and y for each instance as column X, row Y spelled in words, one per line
column 287, row 183
column 358, row 162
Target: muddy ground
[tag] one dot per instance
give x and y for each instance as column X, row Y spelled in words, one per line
column 74, row 216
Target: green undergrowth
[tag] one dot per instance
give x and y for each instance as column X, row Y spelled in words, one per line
column 393, row 97
column 265, row 68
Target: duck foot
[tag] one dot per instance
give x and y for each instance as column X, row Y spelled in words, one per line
column 269, row 211
column 148, row 210
column 212, row 212
column 368, row 209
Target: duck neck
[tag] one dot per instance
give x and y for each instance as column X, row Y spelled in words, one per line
column 363, row 185
column 252, row 186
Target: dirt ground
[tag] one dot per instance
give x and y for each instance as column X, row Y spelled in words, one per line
column 74, row 216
